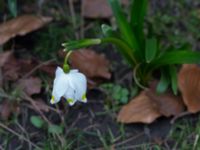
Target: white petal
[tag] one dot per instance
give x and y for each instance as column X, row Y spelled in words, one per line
column 78, row 82
column 60, row 86
column 74, row 71
column 59, row 71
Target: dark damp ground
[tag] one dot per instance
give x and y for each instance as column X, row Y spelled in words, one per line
column 93, row 125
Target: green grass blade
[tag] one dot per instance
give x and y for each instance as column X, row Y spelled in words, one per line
column 123, row 25
column 177, row 57
column 151, row 49
column 138, row 12
column 12, row 5
column 173, row 76
column 163, row 83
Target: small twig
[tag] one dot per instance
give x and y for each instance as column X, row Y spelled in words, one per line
column 1, row 148
column 24, row 131
column 37, row 67
column 26, row 97
column 17, row 134
column 166, row 145
column 73, row 16
column 195, row 141
column 129, row 139
column 82, row 33
column 50, row 108
column 179, row 116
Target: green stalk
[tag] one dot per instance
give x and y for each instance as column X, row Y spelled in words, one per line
column 123, row 46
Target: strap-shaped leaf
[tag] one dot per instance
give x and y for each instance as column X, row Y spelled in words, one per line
column 177, row 57
column 163, row 83
column 138, row 12
column 151, row 49
column 173, row 76
column 124, row 26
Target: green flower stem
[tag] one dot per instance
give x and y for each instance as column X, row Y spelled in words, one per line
column 121, row 45
column 66, row 67
column 136, row 78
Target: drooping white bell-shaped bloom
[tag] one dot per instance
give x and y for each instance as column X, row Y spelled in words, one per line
column 72, row 86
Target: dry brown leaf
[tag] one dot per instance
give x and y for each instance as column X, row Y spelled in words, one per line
column 90, row 63
column 7, row 108
column 49, row 69
column 41, row 105
column 4, row 57
column 189, row 85
column 30, row 85
column 21, row 26
column 140, row 109
column 167, row 103
column 97, row 8
column 11, row 68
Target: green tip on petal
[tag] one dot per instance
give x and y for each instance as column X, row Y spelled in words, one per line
column 52, row 101
column 84, row 99
column 70, row 100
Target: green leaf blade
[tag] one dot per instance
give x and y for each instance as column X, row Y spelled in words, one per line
column 37, row 121
column 177, row 57
column 138, row 12
column 55, row 129
column 163, row 83
column 173, row 76
column 124, row 26
column 151, row 49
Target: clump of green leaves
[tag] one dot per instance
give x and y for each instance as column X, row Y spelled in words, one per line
column 12, row 6
column 117, row 92
column 142, row 50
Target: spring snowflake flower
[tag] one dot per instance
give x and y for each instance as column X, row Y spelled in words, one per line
column 72, row 86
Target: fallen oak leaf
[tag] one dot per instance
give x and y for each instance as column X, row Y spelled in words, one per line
column 98, row 8
column 4, row 57
column 189, row 85
column 21, row 26
column 30, row 85
column 41, row 105
column 7, row 108
column 90, row 63
column 140, row 109
column 167, row 103
column 11, row 68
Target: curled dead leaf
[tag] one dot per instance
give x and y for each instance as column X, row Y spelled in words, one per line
column 7, row 108
column 98, row 8
column 189, row 85
column 90, row 63
column 148, row 106
column 4, row 57
column 11, row 67
column 30, row 85
column 41, row 105
column 140, row 109
column 21, row 26
column 167, row 103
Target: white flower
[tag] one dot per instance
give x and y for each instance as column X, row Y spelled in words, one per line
column 72, row 86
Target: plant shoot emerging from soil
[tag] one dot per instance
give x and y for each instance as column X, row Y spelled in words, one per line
column 141, row 48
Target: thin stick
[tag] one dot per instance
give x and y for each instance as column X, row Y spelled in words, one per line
column 37, row 67
column 73, row 16
column 26, row 97
column 17, row 134
column 179, row 116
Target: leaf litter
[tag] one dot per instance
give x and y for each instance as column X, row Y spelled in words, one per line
column 21, row 26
